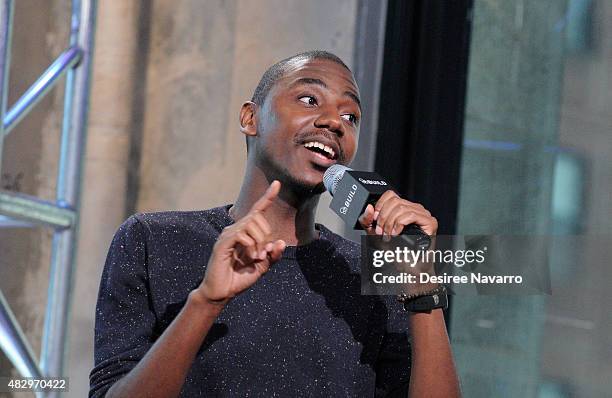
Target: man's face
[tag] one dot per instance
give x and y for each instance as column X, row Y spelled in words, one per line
column 309, row 121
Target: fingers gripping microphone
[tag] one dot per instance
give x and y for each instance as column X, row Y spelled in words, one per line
column 353, row 190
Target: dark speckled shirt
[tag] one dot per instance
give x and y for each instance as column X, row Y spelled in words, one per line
column 303, row 330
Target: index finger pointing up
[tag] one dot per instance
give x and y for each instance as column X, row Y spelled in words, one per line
column 268, row 197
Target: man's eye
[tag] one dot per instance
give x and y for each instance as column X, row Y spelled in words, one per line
column 350, row 117
column 307, row 99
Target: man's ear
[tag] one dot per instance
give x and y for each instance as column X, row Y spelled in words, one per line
column 248, row 122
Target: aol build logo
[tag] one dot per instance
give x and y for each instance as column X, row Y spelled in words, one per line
column 372, row 182
column 349, row 199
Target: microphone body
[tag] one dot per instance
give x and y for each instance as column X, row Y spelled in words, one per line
column 353, row 190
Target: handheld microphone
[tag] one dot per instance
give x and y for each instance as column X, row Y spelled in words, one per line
column 353, row 190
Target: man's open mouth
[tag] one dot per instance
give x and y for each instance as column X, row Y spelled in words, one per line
column 319, row 147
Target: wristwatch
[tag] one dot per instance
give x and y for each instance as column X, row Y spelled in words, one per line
column 426, row 301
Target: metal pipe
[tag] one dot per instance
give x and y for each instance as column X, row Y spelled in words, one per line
column 8, row 222
column 68, row 189
column 28, row 208
column 14, row 343
column 37, row 91
column 6, row 28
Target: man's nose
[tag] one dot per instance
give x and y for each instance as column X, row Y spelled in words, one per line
column 331, row 120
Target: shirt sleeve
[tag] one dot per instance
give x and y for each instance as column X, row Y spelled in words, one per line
column 394, row 357
column 125, row 321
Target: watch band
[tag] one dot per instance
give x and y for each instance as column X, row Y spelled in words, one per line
column 431, row 300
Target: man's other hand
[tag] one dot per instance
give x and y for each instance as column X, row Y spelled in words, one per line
column 392, row 213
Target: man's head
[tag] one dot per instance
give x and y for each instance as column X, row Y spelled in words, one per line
column 301, row 104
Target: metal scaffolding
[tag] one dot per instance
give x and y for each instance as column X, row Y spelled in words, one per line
column 61, row 215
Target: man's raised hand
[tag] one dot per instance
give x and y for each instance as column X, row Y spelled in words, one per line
column 243, row 252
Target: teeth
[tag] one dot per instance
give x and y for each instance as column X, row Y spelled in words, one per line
column 319, row 145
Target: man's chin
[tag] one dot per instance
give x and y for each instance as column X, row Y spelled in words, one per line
column 318, row 188
column 305, row 184
column 305, row 188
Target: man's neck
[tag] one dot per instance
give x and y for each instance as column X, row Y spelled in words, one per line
column 291, row 218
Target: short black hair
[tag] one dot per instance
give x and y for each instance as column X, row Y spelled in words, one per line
column 278, row 70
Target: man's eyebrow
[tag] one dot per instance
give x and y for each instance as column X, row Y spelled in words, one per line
column 308, row 80
column 319, row 82
column 354, row 97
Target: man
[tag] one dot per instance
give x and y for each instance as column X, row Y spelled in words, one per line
column 255, row 299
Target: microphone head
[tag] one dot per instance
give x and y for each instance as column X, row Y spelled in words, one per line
column 332, row 176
